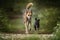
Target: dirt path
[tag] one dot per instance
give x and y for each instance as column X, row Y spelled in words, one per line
column 12, row 36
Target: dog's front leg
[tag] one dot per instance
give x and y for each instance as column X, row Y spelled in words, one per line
column 30, row 26
column 26, row 29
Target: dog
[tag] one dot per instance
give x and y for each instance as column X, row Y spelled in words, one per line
column 27, row 17
column 37, row 24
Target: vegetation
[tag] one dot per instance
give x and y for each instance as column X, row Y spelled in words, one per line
column 47, row 10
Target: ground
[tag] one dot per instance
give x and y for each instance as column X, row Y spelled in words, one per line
column 25, row 36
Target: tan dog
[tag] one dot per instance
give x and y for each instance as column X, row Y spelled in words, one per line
column 27, row 17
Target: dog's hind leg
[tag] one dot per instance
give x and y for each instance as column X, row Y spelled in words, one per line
column 38, row 27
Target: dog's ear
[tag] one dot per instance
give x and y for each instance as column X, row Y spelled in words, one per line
column 38, row 19
column 35, row 18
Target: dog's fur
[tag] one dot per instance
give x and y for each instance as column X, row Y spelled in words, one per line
column 27, row 17
column 36, row 24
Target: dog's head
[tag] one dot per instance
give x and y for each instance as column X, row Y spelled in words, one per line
column 35, row 18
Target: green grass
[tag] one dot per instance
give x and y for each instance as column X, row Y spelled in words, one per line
column 31, row 38
column 16, row 24
column 25, row 38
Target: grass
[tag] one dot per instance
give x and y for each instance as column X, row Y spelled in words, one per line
column 16, row 25
column 24, row 38
column 31, row 38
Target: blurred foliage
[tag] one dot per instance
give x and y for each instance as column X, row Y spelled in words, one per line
column 3, row 21
column 56, row 33
column 47, row 11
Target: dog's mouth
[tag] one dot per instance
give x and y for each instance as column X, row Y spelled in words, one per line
column 29, row 16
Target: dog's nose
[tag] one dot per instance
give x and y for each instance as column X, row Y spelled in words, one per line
column 29, row 15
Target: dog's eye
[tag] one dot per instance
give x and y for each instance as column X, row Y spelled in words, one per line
column 29, row 15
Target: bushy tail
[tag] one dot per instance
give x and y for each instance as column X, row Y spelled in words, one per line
column 29, row 5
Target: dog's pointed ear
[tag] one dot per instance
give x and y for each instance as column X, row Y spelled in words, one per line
column 38, row 19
